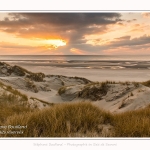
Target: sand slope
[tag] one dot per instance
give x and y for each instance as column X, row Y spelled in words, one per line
column 123, row 100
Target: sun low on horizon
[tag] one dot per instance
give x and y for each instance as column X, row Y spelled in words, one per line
column 54, row 42
column 113, row 33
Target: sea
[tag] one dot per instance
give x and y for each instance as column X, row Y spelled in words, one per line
column 92, row 67
column 76, row 57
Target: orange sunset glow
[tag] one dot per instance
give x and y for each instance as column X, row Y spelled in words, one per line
column 55, row 42
column 75, row 33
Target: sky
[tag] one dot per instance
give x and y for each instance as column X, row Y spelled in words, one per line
column 109, row 33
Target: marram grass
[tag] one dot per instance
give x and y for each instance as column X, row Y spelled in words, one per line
column 78, row 119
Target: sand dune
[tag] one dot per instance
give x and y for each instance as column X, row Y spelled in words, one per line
column 129, row 100
column 43, row 90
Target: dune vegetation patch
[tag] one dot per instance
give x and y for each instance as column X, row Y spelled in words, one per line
column 11, row 104
column 78, row 119
column 94, row 91
column 13, row 92
column 146, row 83
column 62, row 90
column 132, row 124
column 63, row 120
column 44, row 102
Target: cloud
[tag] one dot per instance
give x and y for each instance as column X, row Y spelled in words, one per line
column 132, row 20
column 61, row 19
column 71, row 27
column 35, row 23
column 7, row 48
column 146, row 14
column 77, row 51
column 126, row 41
column 121, row 24
column 123, row 38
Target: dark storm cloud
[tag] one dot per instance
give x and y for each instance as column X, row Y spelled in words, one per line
column 65, row 19
column 36, row 24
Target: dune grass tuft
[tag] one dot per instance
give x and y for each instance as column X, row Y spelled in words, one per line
column 13, row 91
column 11, row 104
column 132, row 124
column 62, row 90
column 146, row 83
column 62, row 120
